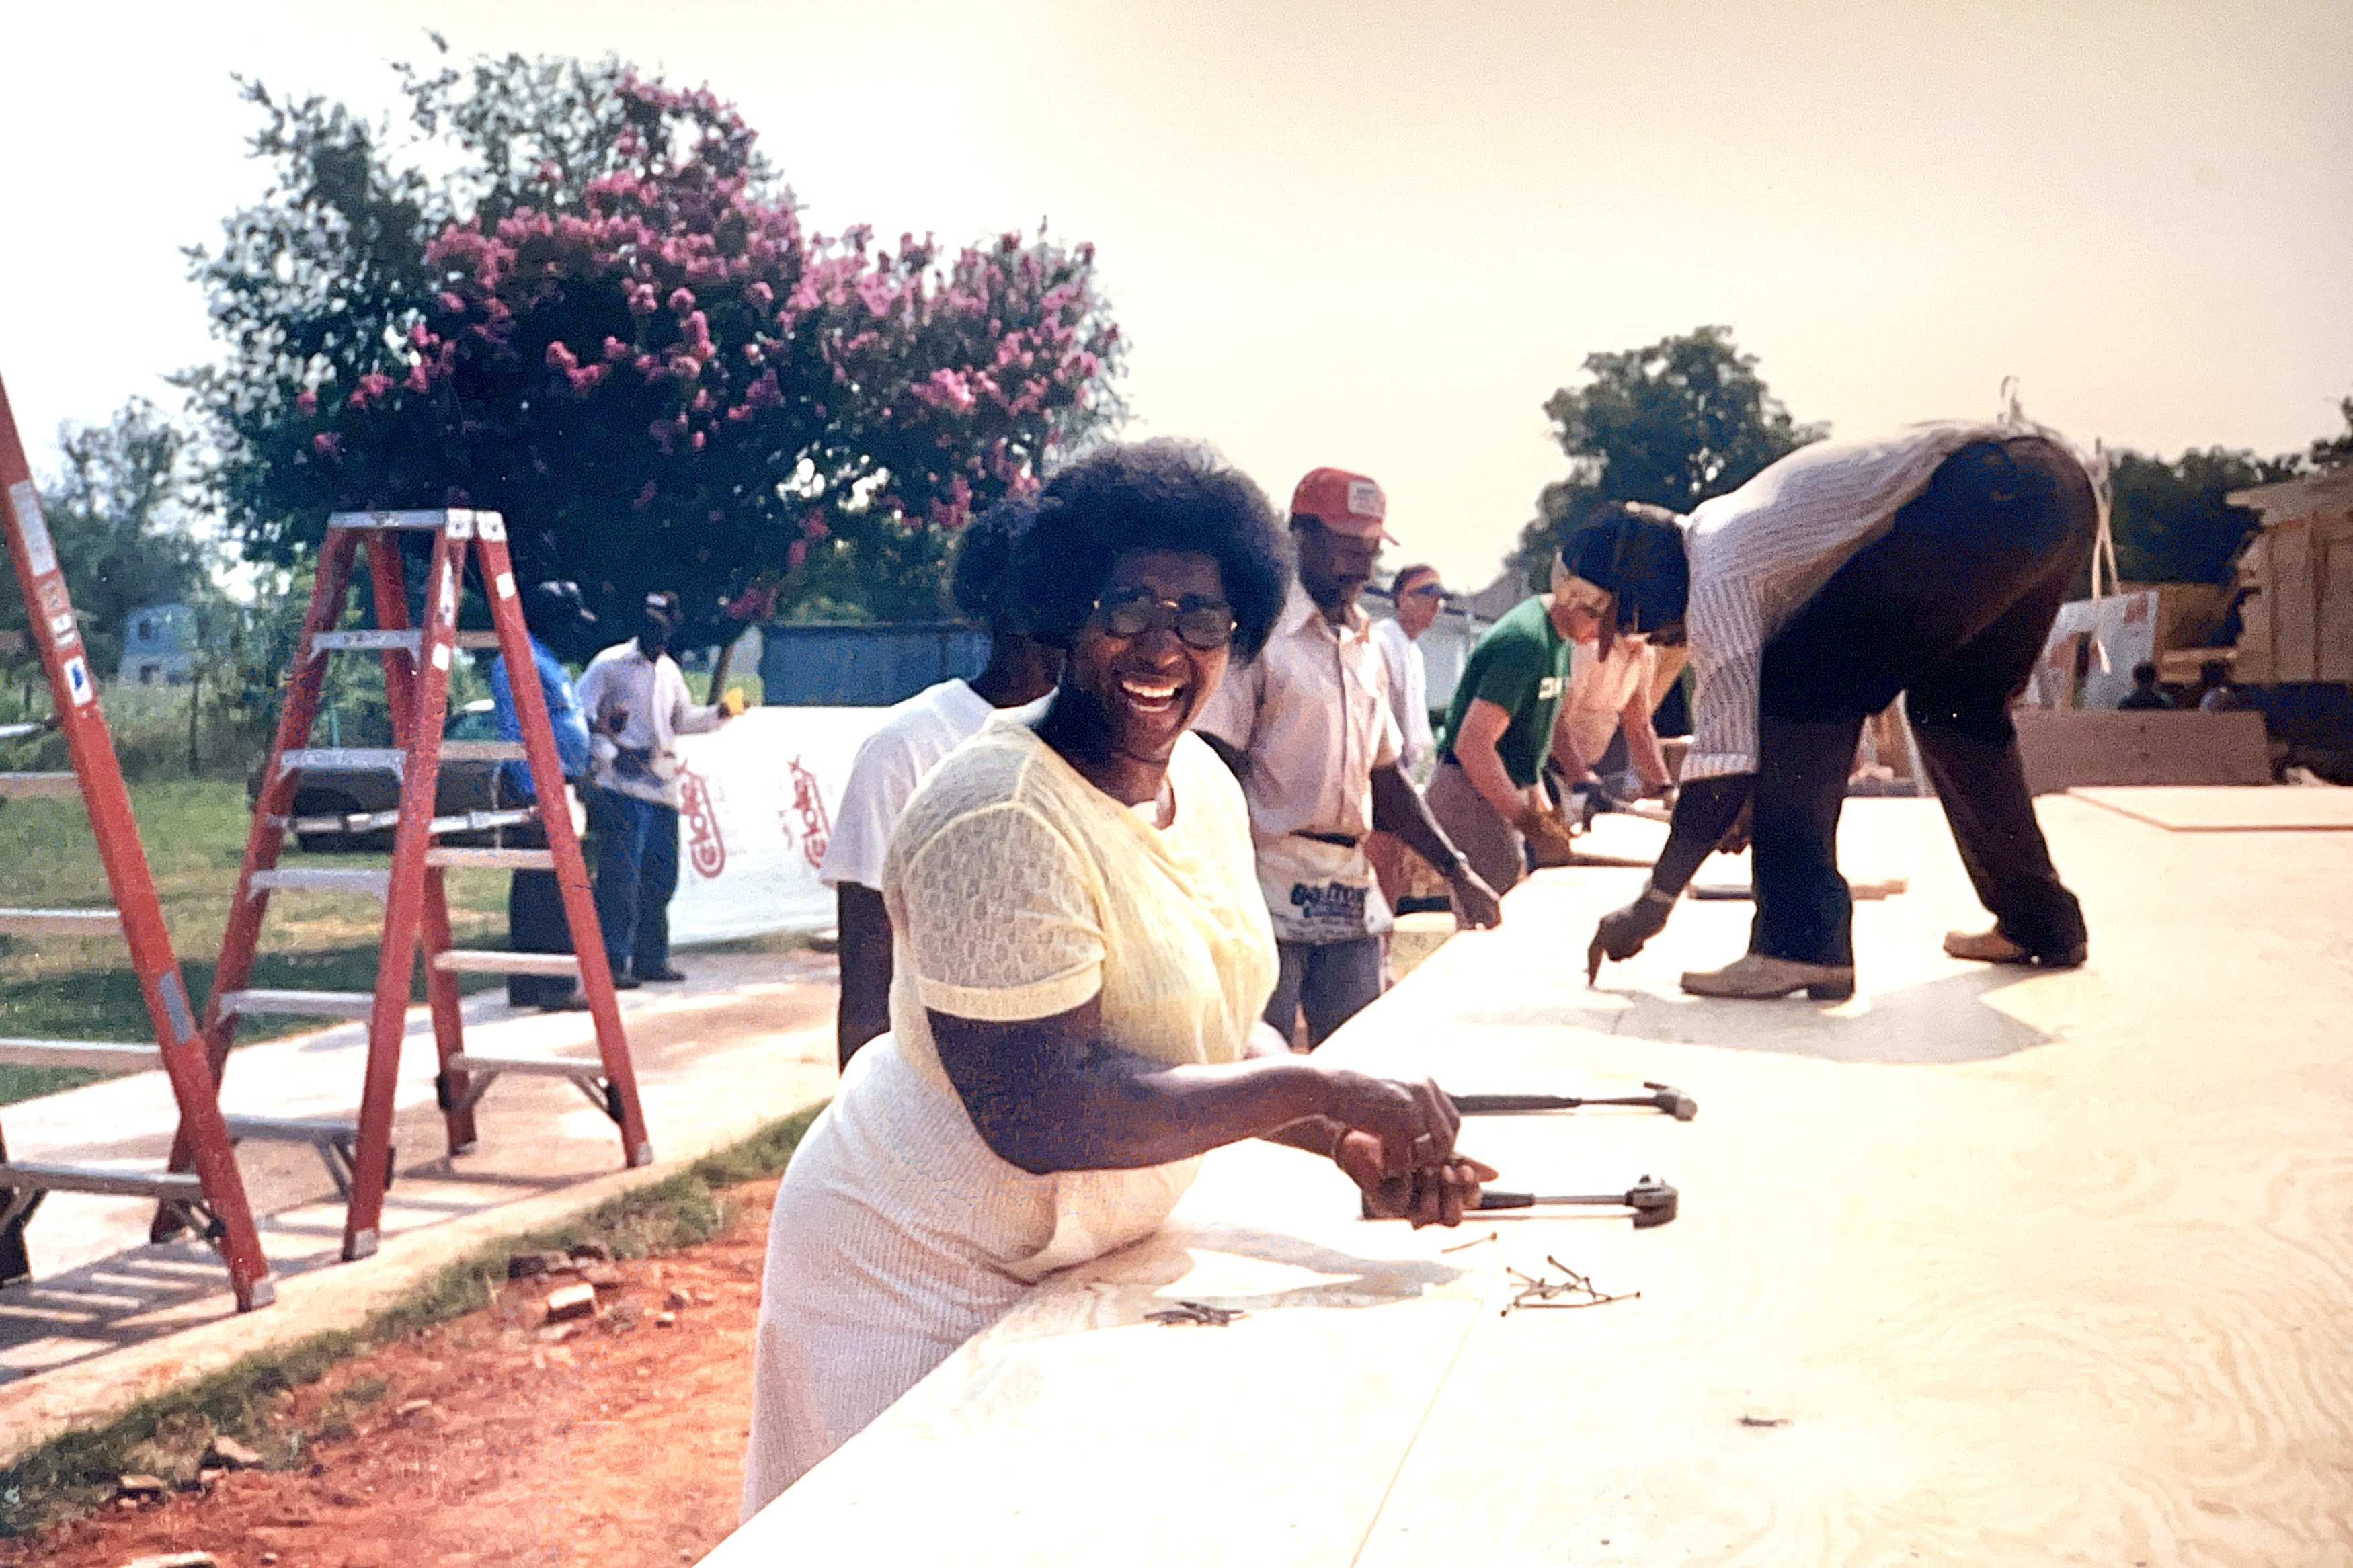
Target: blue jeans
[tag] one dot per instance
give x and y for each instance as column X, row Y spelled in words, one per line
column 1331, row 982
column 636, row 872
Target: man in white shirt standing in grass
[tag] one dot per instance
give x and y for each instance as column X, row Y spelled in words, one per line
column 638, row 706
column 913, row 739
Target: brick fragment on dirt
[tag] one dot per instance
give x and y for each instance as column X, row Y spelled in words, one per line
column 571, row 1302
column 234, row 1455
column 531, row 1265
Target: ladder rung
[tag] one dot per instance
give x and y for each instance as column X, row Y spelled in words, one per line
column 23, row 786
column 544, row 1067
column 494, row 859
column 290, row 1129
column 61, row 922
column 432, row 520
column 164, row 1184
column 489, row 960
column 383, row 759
column 371, row 639
column 481, row 751
column 103, row 1054
column 478, row 639
column 322, row 879
column 302, row 1003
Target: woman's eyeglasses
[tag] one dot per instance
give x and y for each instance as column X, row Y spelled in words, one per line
column 1202, row 623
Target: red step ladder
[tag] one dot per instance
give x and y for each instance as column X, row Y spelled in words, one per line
column 359, row 1153
column 202, row 1191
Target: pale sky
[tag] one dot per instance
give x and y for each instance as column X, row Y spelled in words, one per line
column 1378, row 236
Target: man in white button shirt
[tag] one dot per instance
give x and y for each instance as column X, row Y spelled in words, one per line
column 638, row 706
column 913, row 739
column 1418, row 594
column 1307, row 728
column 1932, row 563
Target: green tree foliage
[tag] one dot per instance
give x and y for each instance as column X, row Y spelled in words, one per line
column 2168, row 518
column 1674, row 422
column 2332, row 451
column 583, row 299
column 121, row 513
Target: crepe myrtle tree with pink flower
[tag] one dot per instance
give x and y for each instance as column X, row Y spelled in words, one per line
column 612, row 326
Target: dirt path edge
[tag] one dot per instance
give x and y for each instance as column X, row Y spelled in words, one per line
column 38, row 1410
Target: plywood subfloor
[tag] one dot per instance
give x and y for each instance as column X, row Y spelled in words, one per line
column 1984, row 1266
column 2222, row 808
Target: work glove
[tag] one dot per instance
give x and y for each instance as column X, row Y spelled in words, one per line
column 1549, row 843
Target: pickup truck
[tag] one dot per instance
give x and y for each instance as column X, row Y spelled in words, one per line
column 342, row 791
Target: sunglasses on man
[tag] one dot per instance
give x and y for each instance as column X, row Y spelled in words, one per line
column 1202, row 623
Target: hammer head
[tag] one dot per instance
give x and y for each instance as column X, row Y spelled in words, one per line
column 1672, row 1101
column 1652, row 1201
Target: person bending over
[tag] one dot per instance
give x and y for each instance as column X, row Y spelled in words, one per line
column 1930, row 562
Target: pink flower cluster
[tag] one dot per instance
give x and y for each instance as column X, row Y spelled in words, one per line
column 946, row 381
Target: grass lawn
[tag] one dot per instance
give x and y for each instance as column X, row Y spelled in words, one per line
column 195, row 831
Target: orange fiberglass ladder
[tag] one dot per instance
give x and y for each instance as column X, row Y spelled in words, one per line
column 202, row 1191
column 416, row 661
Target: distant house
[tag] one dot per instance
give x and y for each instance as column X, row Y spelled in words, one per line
column 159, row 646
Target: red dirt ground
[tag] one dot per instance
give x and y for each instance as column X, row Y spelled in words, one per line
column 621, row 1447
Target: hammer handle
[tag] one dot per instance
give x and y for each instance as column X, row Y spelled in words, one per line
column 1496, row 1104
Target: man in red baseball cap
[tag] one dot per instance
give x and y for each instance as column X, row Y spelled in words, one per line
column 1307, row 728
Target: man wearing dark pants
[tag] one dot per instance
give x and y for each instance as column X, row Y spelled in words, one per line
column 638, row 706
column 1306, row 727
column 556, row 619
column 1942, row 555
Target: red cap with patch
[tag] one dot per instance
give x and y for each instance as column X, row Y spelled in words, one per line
column 1344, row 502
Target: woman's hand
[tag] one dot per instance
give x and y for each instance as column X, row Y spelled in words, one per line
column 1412, row 1120
column 1438, row 1197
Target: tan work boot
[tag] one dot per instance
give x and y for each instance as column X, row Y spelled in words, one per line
column 1986, row 947
column 1757, row 978
column 1992, row 947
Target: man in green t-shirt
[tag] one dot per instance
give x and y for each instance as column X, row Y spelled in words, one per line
column 1488, row 792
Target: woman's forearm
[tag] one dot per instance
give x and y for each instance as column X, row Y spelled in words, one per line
column 1047, row 1103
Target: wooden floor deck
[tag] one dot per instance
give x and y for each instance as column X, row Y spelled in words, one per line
column 1981, row 1266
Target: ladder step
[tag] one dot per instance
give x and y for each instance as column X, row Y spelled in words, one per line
column 61, row 922
column 370, row 640
column 478, row 639
column 373, row 521
column 381, row 759
column 322, row 879
column 164, row 1184
column 489, row 960
column 24, row 786
column 481, row 751
column 543, row 1066
column 302, row 1003
column 103, row 1054
column 494, row 859
column 292, row 1129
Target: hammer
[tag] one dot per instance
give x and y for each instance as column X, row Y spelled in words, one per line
column 1652, row 1201
column 1664, row 1096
